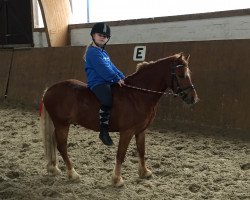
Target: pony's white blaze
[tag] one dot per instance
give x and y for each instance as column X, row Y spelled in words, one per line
column 47, row 130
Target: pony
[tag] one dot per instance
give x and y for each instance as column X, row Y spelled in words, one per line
column 134, row 108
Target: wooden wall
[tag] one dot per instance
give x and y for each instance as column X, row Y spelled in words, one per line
column 56, row 15
column 220, row 72
column 33, row 70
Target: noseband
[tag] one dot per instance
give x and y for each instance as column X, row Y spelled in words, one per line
column 180, row 91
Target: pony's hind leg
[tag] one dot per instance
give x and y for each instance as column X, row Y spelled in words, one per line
column 125, row 138
column 52, row 167
column 47, row 130
column 61, row 133
column 144, row 172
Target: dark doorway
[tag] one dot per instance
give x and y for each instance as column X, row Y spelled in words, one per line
column 15, row 23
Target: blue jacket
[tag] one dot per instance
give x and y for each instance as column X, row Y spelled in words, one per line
column 99, row 68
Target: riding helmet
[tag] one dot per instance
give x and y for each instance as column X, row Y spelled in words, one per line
column 102, row 28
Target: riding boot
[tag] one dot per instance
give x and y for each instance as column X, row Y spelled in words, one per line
column 104, row 114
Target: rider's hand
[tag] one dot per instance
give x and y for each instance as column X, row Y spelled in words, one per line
column 121, row 82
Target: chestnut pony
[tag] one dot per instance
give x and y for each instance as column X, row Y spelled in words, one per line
column 134, row 107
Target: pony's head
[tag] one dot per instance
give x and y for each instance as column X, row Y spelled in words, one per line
column 181, row 82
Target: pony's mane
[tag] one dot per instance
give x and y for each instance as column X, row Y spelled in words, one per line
column 143, row 65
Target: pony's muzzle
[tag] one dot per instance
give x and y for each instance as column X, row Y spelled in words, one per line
column 193, row 100
column 190, row 99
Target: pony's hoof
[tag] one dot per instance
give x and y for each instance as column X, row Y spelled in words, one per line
column 145, row 174
column 117, row 181
column 74, row 176
column 53, row 170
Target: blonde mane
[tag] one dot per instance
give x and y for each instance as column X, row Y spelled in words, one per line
column 143, row 65
column 178, row 58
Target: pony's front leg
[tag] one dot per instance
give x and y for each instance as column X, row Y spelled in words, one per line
column 144, row 172
column 125, row 138
column 117, row 179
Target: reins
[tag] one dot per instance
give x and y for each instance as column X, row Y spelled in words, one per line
column 151, row 91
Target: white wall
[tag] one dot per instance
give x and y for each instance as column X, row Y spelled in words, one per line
column 236, row 27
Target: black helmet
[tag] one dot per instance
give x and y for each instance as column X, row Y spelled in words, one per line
column 102, row 28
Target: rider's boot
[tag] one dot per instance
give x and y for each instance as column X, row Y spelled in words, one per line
column 104, row 115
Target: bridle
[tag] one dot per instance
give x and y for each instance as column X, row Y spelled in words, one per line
column 182, row 93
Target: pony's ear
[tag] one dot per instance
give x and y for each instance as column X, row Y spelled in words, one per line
column 180, row 55
column 187, row 57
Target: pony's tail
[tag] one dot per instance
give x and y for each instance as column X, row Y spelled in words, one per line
column 47, row 129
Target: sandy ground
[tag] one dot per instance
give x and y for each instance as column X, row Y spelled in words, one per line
column 185, row 165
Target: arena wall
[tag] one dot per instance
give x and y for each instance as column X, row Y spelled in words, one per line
column 35, row 69
column 220, row 71
column 218, row 45
column 225, row 25
column 233, row 27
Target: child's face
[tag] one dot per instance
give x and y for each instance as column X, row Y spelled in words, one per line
column 100, row 39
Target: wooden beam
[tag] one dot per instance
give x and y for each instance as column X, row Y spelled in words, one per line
column 56, row 15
